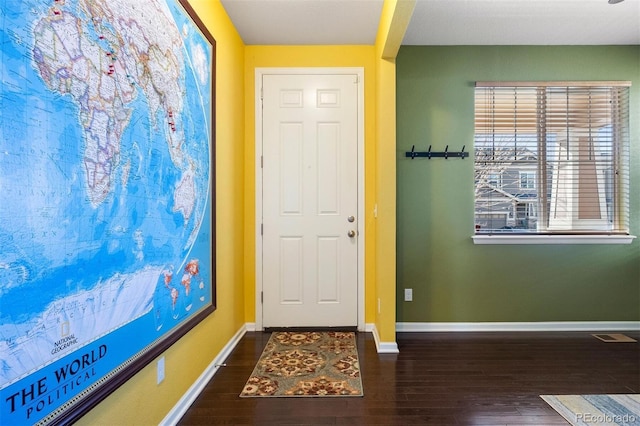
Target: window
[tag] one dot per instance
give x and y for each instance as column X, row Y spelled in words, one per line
column 561, row 152
column 495, row 180
column 527, row 180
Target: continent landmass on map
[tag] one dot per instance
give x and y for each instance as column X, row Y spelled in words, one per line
column 101, row 62
column 85, row 315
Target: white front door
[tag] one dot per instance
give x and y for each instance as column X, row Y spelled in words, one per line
column 310, row 200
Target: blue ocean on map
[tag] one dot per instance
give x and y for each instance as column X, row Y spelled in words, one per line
column 105, row 183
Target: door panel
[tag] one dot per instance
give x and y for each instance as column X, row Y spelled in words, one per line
column 310, row 189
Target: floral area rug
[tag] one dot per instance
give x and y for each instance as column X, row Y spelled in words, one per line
column 315, row 363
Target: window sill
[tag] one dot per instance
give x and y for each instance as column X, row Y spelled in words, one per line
column 553, row 239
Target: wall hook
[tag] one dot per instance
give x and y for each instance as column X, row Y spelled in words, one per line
column 433, row 154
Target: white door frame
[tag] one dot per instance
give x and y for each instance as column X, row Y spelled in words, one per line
column 260, row 72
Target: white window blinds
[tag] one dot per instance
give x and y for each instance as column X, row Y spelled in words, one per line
column 560, row 152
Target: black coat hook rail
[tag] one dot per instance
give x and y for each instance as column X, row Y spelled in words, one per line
column 430, row 154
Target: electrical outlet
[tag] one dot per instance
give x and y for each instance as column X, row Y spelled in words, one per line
column 160, row 370
column 408, row 295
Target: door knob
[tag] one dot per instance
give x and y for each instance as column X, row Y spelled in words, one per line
column 351, row 219
column 351, row 233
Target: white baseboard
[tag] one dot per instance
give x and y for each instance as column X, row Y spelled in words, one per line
column 519, row 326
column 176, row 413
column 382, row 347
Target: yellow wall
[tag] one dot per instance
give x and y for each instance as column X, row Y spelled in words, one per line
column 310, row 56
column 141, row 401
column 385, row 184
column 394, row 20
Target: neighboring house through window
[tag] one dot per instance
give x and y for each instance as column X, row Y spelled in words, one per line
column 552, row 158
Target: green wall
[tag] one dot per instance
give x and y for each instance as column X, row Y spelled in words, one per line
column 454, row 280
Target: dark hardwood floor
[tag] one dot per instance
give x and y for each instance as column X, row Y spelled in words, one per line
column 437, row 379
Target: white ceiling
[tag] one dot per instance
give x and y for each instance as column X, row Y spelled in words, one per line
column 275, row 22
column 522, row 22
column 439, row 22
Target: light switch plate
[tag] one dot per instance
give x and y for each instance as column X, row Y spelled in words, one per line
column 160, row 370
column 408, row 295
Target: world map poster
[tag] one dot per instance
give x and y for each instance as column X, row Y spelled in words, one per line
column 106, row 193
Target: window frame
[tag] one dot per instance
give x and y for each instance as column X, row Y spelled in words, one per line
column 548, row 236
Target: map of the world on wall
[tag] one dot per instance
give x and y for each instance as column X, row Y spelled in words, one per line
column 105, row 191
